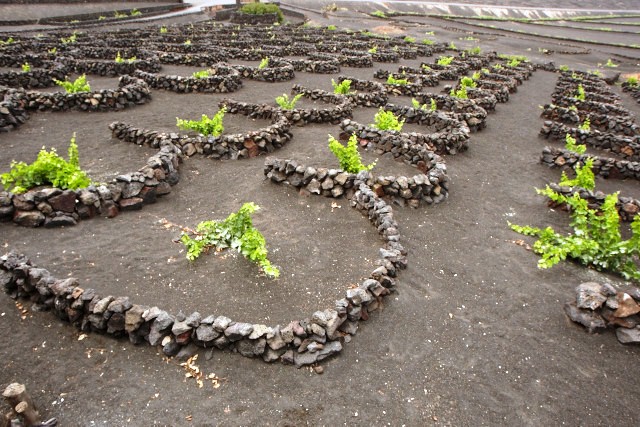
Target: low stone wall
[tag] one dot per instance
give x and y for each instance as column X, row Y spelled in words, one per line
column 602, row 166
column 16, row 60
column 600, row 108
column 386, row 56
column 238, row 17
column 318, row 67
column 621, row 125
column 472, row 113
column 31, row 79
column 628, row 207
column 193, row 60
column 633, row 90
column 500, row 91
column 215, row 83
column 301, row 342
column 234, row 146
column 482, row 97
column 600, row 306
column 131, row 92
column 366, row 93
column 111, row 68
column 428, row 78
column 627, row 147
column 276, row 71
column 589, row 96
column 507, row 81
column 53, row 207
column 451, row 136
column 12, row 109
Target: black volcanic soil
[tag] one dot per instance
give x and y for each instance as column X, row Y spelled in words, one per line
column 475, row 336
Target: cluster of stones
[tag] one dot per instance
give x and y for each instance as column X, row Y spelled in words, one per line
column 363, row 93
column 632, row 89
column 216, row 82
column 233, row 147
column 600, row 306
column 31, row 79
column 53, row 207
column 428, row 187
column 297, row 116
column 602, row 166
column 301, row 342
column 450, row 137
column 110, row 68
column 278, row 70
column 130, row 92
column 621, row 125
column 12, row 109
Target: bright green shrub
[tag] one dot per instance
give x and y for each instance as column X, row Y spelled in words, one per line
column 349, row 156
column 206, row 126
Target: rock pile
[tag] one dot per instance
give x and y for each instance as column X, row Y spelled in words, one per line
column 599, row 306
column 216, row 82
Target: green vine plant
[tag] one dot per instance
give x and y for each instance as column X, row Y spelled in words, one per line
column 476, row 50
column 373, row 49
column 342, row 88
column 514, row 62
column 433, row 105
column 7, row 41
column 632, row 81
column 427, row 42
column 48, row 169
column 205, row 126
column 460, row 93
column 349, row 156
column 610, row 64
column 445, row 60
column 585, row 178
column 25, row 67
column 201, row 74
column 379, row 14
column 71, row 39
column 287, row 104
column 386, row 120
column 163, row 30
column 586, row 125
column 264, row 63
column 468, row 82
column 596, row 239
column 393, row 81
column 563, row 68
column 570, row 144
column 235, row 232
column 120, row 60
column 410, row 39
column 581, row 95
column 78, row 85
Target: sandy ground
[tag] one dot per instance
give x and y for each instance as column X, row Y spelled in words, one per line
column 475, row 336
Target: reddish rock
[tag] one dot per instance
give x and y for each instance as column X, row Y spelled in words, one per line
column 28, row 218
column 132, row 204
column 252, row 148
column 627, row 306
column 65, row 202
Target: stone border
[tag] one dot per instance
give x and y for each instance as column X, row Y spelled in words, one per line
column 53, row 207
column 621, row 125
column 627, row 147
column 301, row 342
column 278, row 70
column 602, row 166
column 634, row 91
column 233, row 146
column 451, row 135
column 218, row 82
column 130, row 92
column 12, row 109
column 472, row 113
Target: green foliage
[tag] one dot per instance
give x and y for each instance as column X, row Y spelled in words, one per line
column 342, row 88
column 610, row 64
column 101, row 18
column 430, row 33
column 26, row 67
column 264, row 63
column 460, row 93
column 452, row 46
column 581, row 95
column 119, row 15
column 286, row 104
column 135, row 12
column 632, row 81
column 78, row 85
column 573, row 108
column 379, row 14
column 563, row 68
column 235, row 232
column 201, row 74
column 570, row 144
column 263, row 9
column 75, row 21
column 71, row 39
column 445, row 60
column 331, row 27
column 474, row 50
column 586, row 125
column 163, row 30
column 596, row 240
column 476, row 76
column 53, row 50
column 49, row 168
column 410, row 39
column 349, row 156
column 584, row 177
column 596, row 73
column 187, row 42
column 205, row 126
column 120, row 60
column 427, row 42
column 393, row 81
column 374, row 49
column 7, row 41
column 514, row 62
column 468, row 82
column 433, row 105
column 386, row 120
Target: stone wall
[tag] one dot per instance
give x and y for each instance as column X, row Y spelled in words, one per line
column 621, row 125
column 633, row 90
column 301, row 342
column 53, row 207
column 215, row 83
column 628, row 207
column 602, row 166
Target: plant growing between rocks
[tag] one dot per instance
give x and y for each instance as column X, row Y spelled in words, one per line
column 264, row 63
column 163, row 30
column 48, row 169
column 409, row 39
column 460, row 93
column 586, row 125
column 349, row 156
column 287, row 104
column 632, row 81
column 393, row 81
column 201, row 74
column 386, row 120
column 205, row 126
column 235, row 232
column 433, row 106
column 580, row 95
column 342, row 88
column 468, row 82
column 427, row 42
column 444, row 60
column 78, row 85
column 263, row 9
column 379, row 14
column 7, row 41
column 26, row 67
column 570, row 144
column 120, row 60
column 71, row 39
